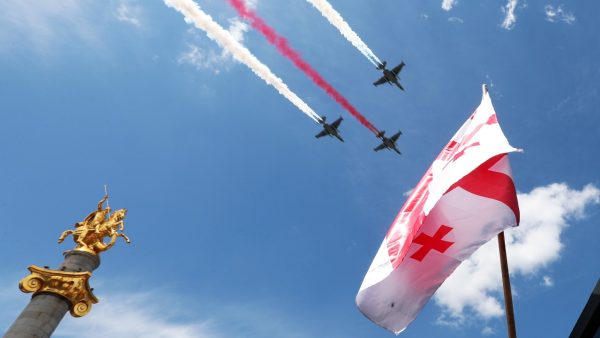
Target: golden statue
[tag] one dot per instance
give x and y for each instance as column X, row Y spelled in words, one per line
column 89, row 234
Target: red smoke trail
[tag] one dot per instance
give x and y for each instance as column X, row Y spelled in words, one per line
column 283, row 47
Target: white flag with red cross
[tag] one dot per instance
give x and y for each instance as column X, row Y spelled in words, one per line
column 465, row 198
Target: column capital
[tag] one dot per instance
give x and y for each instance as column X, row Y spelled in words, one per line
column 73, row 286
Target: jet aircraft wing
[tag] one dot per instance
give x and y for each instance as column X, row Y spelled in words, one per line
column 398, row 68
column 322, row 133
column 396, row 136
column 382, row 80
column 379, row 147
column 336, row 123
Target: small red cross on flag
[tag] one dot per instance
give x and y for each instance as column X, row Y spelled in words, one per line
column 465, row 198
column 434, row 242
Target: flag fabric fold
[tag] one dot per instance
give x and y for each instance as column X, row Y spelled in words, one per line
column 464, row 199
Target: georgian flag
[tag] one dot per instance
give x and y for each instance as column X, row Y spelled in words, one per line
column 465, row 198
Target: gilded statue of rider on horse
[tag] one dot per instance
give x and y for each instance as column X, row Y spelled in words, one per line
column 89, row 234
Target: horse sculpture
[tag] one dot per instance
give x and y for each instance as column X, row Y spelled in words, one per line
column 89, row 234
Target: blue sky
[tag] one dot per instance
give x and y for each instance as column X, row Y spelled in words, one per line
column 242, row 223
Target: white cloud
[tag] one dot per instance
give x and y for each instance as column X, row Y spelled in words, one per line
column 448, row 4
column 129, row 14
column 510, row 18
column 547, row 281
column 558, row 14
column 455, row 19
column 208, row 59
column 132, row 314
column 487, row 331
column 211, row 58
column 237, row 29
column 45, row 23
column 251, row 3
column 545, row 213
column 159, row 313
column 139, row 315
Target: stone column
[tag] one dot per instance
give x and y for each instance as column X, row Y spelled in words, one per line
column 67, row 289
column 55, row 293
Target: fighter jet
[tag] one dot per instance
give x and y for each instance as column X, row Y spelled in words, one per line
column 388, row 142
column 330, row 129
column 389, row 76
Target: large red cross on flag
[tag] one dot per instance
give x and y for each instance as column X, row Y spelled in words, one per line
column 464, row 199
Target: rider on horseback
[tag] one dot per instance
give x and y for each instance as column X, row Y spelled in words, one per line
column 94, row 220
column 89, row 233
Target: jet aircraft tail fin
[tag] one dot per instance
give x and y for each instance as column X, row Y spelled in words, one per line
column 382, row 65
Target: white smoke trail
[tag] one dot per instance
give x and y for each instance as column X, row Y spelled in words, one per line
column 193, row 14
column 336, row 20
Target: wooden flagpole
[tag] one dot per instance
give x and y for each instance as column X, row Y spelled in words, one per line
column 508, row 304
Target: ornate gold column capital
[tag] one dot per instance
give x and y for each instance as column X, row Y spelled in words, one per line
column 73, row 286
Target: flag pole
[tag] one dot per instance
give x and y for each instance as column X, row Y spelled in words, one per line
column 508, row 304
